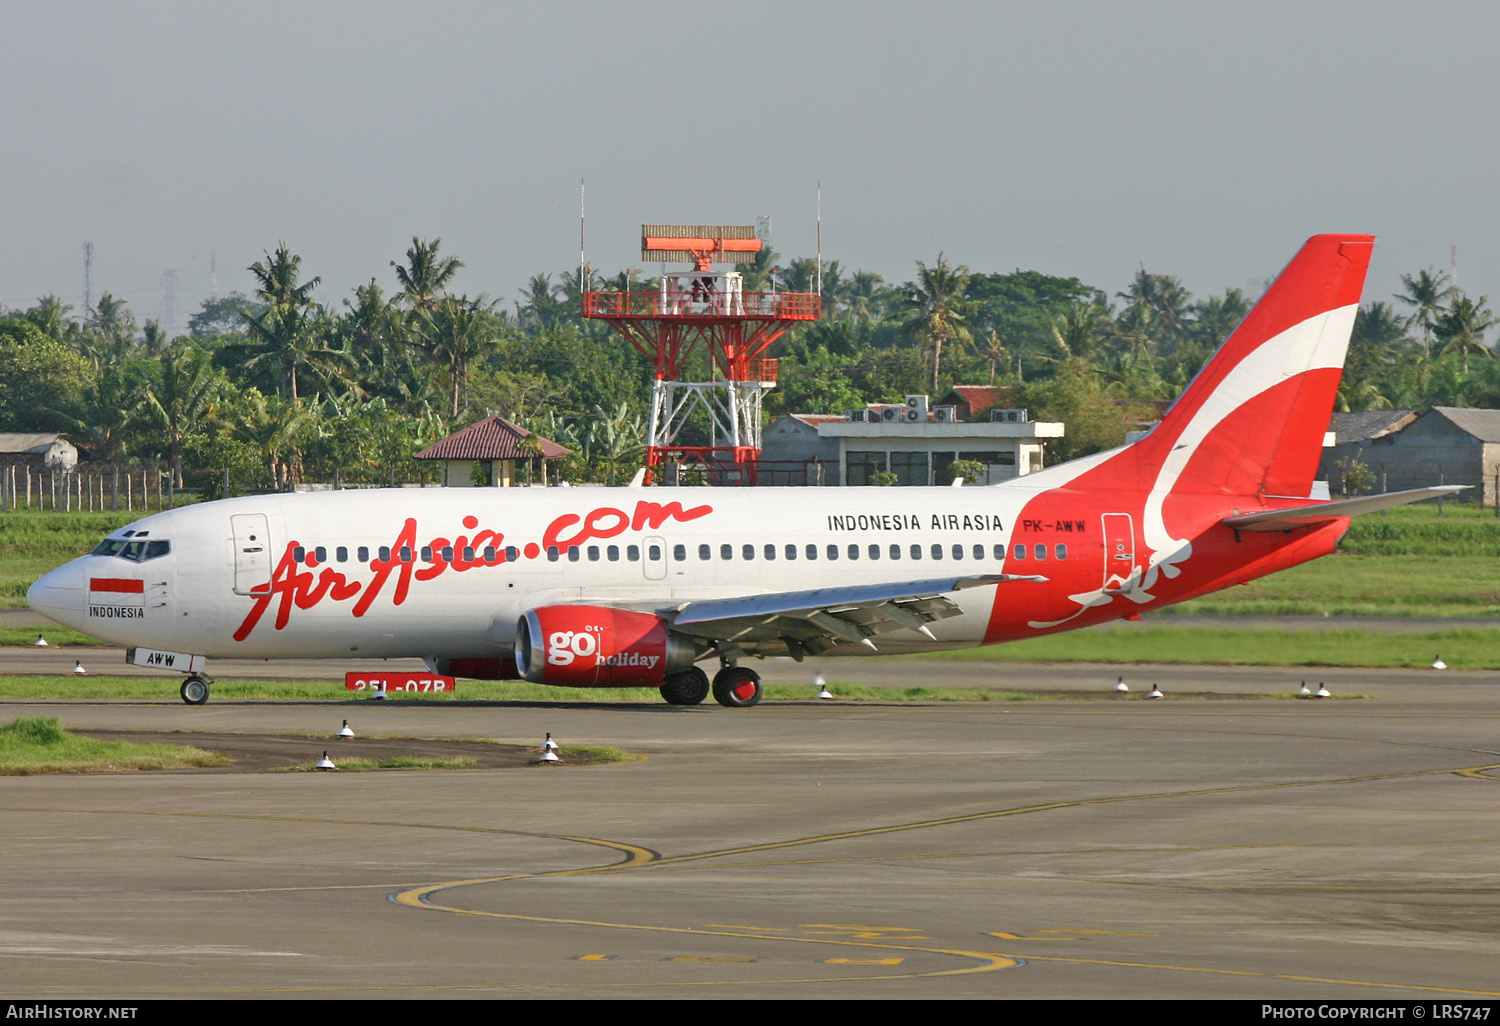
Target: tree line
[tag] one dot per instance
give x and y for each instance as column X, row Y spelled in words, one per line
column 278, row 387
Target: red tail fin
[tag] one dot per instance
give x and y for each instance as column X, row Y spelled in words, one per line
column 1252, row 421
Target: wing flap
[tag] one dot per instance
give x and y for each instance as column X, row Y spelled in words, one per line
column 821, row 618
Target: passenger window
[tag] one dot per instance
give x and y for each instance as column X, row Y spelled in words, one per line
column 812, row 551
column 747, row 551
column 385, row 553
column 1060, row 551
column 468, row 553
column 916, row 550
column 574, row 553
column 612, row 553
column 299, row 554
column 978, row 551
column 633, row 553
column 770, row 550
column 895, row 550
column 937, row 550
column 512, row 553
column 833, row 552
column 405, row 554
column 342, row 554
column 874, row 551
column 489, row 553
column 447, row 553
column 791, row 551
column 1019, row 552
column 705, row 552
column 853, row 551
column 427, row 553
column 653, row 552
column 364, row 553
column 593, row 553
column 1039, row 551
column 958, row 551
column 553, row 554
column 679, row 553
column 999, row 550
column 726, row 551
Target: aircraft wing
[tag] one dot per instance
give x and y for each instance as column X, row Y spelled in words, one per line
column 1322, row 512
column 812, row 621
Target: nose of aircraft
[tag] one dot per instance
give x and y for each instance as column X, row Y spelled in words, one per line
column 59, row 595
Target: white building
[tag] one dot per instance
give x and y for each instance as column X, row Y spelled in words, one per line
column 916, row 443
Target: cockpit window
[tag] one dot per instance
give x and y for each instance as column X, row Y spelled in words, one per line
column 137, row 550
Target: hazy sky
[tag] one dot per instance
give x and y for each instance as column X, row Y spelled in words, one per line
column 1205, row 140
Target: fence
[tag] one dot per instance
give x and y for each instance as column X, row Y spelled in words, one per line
column 146, row 489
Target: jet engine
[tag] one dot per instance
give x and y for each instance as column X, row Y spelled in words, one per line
column 597, row 646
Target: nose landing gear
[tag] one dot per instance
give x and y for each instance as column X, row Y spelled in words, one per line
column 195, row 689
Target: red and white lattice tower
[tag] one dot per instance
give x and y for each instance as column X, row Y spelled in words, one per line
column 704, row 311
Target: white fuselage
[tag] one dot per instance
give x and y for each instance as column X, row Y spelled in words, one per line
column 301, row 575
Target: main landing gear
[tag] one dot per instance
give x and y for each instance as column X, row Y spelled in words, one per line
column 195, row 689
column 737, row 687
column 734, row 686
column 686, row 688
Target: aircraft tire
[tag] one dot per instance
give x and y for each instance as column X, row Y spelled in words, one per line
column 195, row 690
column 686, row 688
column 737, row 688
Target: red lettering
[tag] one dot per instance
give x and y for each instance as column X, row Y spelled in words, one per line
column 291, row 586
column 383, row 568
column 653, row 515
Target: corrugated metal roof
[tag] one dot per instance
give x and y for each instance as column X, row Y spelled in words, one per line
column 1367, row 425
column 26, row 441
column 493, row 438
column 1482, row 424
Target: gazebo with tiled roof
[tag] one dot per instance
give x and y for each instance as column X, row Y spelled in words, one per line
column 487, row 454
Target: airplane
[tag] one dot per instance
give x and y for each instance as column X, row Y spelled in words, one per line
column 602, row 587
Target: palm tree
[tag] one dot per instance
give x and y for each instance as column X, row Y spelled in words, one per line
column 178, row 397
column 425, row 274
column 51, row 315
column 1461, row 327
column 937, row 297
column 277, row 429
column 1426, row 293
column 276, row 279
column 866, row 296
column 288, row 340
column 455, row 332
column 1077, row 329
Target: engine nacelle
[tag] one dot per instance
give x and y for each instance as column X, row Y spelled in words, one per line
column 597, row 646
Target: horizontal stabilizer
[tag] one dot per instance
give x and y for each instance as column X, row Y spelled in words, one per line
column 1322, row 512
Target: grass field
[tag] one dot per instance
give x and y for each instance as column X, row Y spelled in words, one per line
column 38, row 744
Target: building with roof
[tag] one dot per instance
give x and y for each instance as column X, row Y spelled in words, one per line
column 487, row 454
column 1445, row 445
column 915, row 441
column 37, row 450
